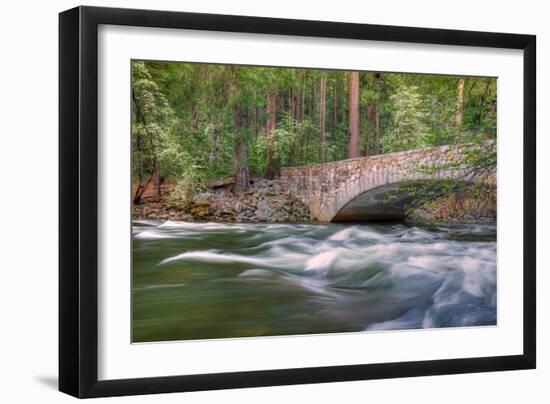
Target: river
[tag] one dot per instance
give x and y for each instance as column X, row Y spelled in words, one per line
column 222, row 280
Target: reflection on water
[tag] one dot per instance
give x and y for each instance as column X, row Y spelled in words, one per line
column 215, row 280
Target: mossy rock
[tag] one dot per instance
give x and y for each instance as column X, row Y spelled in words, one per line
column 201, row 203
column 201, row 209
column 200, row 212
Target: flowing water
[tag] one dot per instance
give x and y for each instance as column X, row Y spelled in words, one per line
column 218, row 280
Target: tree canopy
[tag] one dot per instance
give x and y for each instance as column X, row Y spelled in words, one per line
column 193, row 122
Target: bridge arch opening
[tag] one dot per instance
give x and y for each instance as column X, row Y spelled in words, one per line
column 391, row 202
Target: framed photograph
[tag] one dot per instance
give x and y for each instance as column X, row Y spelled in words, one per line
column 251, row 201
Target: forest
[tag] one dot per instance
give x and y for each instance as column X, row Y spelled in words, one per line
column 194, row 123
column 264, row 201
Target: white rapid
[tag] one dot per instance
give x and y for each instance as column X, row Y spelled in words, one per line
column 277, row 279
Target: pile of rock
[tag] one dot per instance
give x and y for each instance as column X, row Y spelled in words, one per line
column 264, row 201
column 161, row 213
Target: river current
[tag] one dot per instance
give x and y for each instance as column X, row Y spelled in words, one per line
column 223, row 280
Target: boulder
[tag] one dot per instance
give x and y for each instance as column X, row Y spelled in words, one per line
column 201, row 209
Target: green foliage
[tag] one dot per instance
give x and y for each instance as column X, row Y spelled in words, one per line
column 408, row 130
column 154, row 131
column 188, row 184
column 189, row 118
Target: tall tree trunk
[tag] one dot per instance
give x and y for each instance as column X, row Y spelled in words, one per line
column 291, row 110
column 353, row 147
column 459, row 104
column 322, row 113
column 254, row 118
column 142, row 187
column 369, row 115
column 312, row 106
column 135, row 156
column 156, row 164
column 193, row 124
column 377, row 129
column 303, row 97
column 335, row 106
column 242, row 177
column 298, row 104
column 139, row 163
column 270, row 129
column 482, row 101
column 343, row 99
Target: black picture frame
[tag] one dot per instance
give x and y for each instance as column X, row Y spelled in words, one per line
column 78, row 201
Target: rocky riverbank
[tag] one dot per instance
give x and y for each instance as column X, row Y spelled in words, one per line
column 264, row 201
column 471, row 205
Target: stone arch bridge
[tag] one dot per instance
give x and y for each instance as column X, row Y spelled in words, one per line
column 375, row 187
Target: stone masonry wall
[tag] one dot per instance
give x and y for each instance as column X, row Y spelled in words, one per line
column 326, row 188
